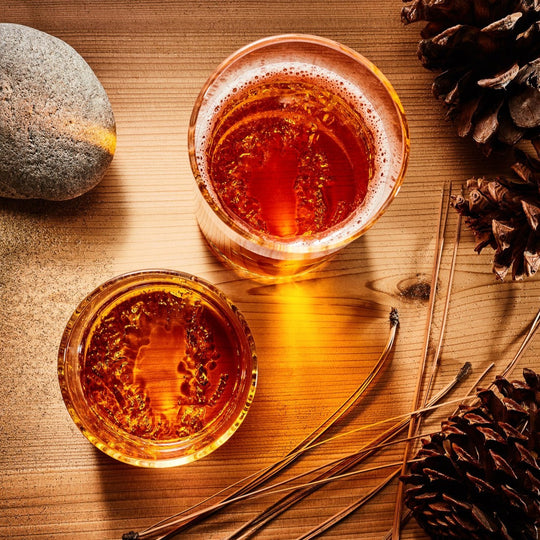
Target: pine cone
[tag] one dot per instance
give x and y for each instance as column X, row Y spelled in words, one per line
column 504, row 213
column 479, row 478
column 488, row 52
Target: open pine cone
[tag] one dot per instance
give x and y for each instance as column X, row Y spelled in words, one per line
column 489, row 55
column 479, row 478
column 504, row 213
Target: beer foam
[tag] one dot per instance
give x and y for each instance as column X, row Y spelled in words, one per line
column 379, row 185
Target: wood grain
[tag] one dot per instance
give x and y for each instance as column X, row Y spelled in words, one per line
column 316, row 338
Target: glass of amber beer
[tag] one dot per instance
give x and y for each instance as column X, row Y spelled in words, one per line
column 298, row 144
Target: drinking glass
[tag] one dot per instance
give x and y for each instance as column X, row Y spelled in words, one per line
column 157, row 368
column 237, row 170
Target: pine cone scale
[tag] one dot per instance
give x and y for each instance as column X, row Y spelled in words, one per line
column 503, row 234
column 483, row 520
column 490, row 434
column 481, row 485
column 456, row 503
column 487, row 124
column 504, row 25
column 464, row 523
column 532, row 212
column 501, row 79
column 525, row 108
column 509, row 134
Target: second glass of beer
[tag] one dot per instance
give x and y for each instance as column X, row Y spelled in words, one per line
column 298, row 144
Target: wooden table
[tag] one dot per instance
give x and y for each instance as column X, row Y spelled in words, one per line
column 316, row 338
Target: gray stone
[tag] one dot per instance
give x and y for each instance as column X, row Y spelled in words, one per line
column 57, row 129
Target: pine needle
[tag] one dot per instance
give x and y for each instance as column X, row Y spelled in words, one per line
column 443, row 215
column 344, row 464
column 164, row 525
column 535, row 325
column 181, row 522
column 437, row 355
column 273, row 489
column 389, row 434
column 336, row 518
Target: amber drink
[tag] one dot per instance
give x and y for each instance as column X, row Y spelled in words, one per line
column 297, row 144
column 157, row 368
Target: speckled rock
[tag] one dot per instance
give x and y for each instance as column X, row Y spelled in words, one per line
column 57, row 128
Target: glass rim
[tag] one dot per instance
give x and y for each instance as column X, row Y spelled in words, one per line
column 298, row 245
column 116, row 435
